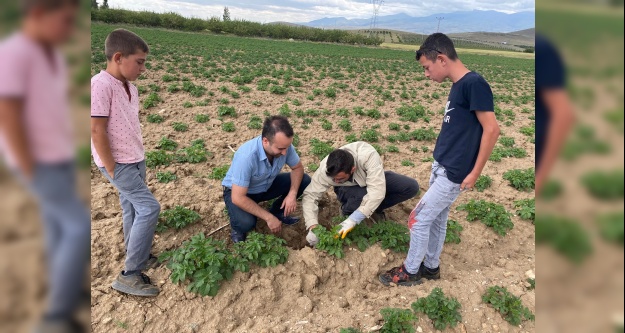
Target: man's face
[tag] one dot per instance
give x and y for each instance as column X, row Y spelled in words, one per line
column 434, row 70
column 342, row 177
column 278, row 146
column 132, row 66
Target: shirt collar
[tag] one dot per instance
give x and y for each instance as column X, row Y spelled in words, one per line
column 112, row 77
column 262, row 155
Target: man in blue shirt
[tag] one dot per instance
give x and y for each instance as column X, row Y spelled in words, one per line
column 254, row 177
column 468, row 134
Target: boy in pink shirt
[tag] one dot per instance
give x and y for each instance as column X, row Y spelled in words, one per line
column 36, row 142
column 117, row 148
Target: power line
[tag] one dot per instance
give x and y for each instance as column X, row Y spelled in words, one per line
column 439, row 23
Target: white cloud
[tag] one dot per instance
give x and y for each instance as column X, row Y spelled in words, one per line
column 308, row 10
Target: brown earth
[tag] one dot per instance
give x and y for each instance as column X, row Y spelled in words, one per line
column 312, row 292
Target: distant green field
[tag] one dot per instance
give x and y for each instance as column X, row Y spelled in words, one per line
column 253, row 58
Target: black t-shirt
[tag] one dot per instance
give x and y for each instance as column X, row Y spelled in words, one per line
column 458, row 143
column 550, row 74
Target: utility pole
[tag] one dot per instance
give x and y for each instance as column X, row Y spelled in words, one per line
column 439, row 23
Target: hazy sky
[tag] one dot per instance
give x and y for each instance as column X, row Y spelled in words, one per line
column 308, row 10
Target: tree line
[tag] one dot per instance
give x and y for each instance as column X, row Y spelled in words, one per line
column 227, row 25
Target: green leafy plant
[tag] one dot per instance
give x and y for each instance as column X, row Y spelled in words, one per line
column 565, row 235
column 320, row 149
column 532, row 283
column 326, row 125
column 394, row 127
column 165, row 177
column 411, row 113
column 262, row 250
column 313, row 167
column 398, row 320
column 611, row 227
column 483, row 182
column 156, row 158
column 442, row 310
column 606, row 185
column 328, row 242
column 491, row 214
column 202, row 262
column 151, row 101
column 228, row 127
column 551, row 190
column 392, row 149
column 278, row 90
column 423, row 134
column 255, row 123
column 167, row 144
column 195, row 153
column 226, row 111
column 177, row 218
column 453, row 232
column 407, row 163
column 180, row 127
column 528, row 131
column 522, row 180
column 526, row 209
column 350, row 330
column 350, row 138
column 509, row 306
column 345, row 125
column 370, row 135
column 374, row 113
column 219, row 173
column 202, row 118
column 155, row 118
column 506, row 141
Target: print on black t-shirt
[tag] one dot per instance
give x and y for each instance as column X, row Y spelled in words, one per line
column 458, row 143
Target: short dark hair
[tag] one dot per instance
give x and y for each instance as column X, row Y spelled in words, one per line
column 339, row 161
column 276, row 124
column 47, row 5
column 435, row 44
column 123, row 41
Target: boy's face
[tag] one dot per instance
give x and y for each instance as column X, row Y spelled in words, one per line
column 57, row 25
column 434, row 70
column 131, row 66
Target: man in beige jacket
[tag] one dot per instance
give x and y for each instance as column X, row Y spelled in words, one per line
column 361, row 185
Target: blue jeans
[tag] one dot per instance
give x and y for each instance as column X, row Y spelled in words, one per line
column 140, row 212
column 242, row 221
column 428, row 221
column 67, row 228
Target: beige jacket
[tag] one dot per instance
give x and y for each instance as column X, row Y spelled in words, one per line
column 369, row 172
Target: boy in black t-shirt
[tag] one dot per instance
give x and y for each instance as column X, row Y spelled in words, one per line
column 467, row 137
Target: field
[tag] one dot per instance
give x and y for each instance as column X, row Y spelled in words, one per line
column 218, row 88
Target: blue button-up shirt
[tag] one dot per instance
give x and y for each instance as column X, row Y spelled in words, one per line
column 251, row 168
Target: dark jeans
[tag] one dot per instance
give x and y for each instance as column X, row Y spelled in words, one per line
column 399, row 188
column 242, row 221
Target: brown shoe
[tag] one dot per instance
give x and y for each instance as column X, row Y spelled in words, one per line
column 135, row 284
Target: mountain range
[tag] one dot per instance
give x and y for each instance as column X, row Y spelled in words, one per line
column 457, row 22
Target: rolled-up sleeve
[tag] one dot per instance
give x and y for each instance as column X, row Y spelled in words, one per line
column 292, row 159
column 241, row 170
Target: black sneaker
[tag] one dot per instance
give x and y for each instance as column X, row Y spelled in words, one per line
column 287, row 220
column 135, row 284
column 400, row 277
column 429, row 273
column 237, row 236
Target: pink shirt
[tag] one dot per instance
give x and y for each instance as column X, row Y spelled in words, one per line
column 40, row 81
column 110, row 99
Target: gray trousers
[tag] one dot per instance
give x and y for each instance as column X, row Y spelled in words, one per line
column 428, row 221
column 67, row 228
column 140, row 212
